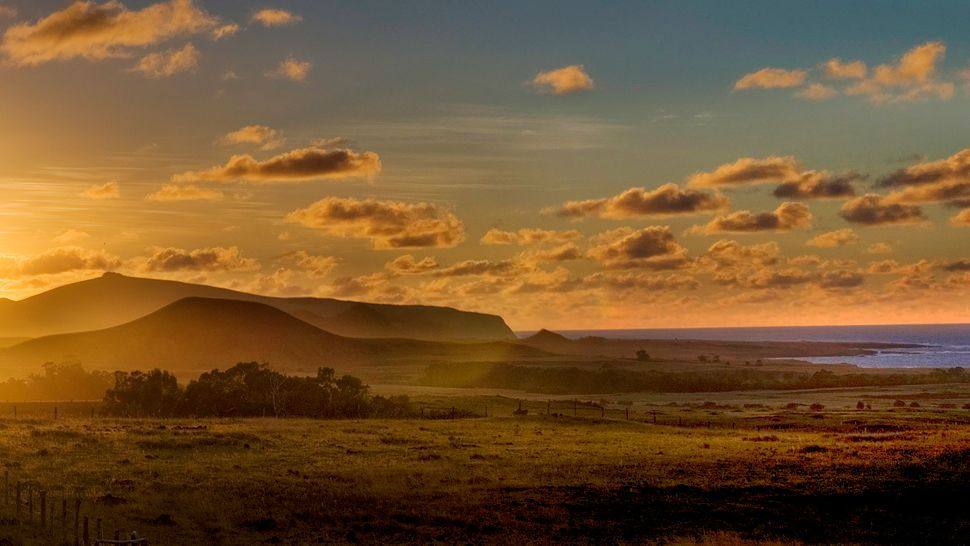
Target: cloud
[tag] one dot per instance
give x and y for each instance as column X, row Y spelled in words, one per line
column 501, row 268
column 200, row 259
column 771, row 78
column 838, row 69
column 562, row 253
column 7, row 11
column 408, row 265
column 879, row 248
column 266, row 138
column 71, row 236
column 291, row 69
column 749, row 170
column 527, row 236
column 315, row 266
column 275, row 17
column 564, row 81
column 388, row 224
column 954, row 168
column 873, row 209
column 57, row 260
column 840, row 279
column 93, row 31
column 786, row 217
column 912, row 77
column 225, row 31
column 108, row 190
column 667, row 200
column 817, row 92
column 300, row 165
column 184, row 192
column 961, row 219
column 652, row 247
column 831, row 239
column 168, row 63
column 931, row 181
column 728, row 253
column 640, row 281
column 818, row 185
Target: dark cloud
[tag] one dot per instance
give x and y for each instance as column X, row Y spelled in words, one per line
column 311, row 163
column 819, row 185
column 786, row 217
column 872, row 209
column 666, row 200
column 388, row 224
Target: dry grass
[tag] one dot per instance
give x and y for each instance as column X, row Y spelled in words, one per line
column 523, row 479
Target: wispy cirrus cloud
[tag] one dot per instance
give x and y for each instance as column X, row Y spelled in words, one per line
column 168, row 63
column 108, row 190
column 184, row 192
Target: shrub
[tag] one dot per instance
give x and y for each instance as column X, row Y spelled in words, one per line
column 816, row 407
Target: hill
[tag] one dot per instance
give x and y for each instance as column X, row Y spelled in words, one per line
column 115, row 299
column 195, row 334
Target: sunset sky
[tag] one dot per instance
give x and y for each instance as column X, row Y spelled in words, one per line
column 563, row 164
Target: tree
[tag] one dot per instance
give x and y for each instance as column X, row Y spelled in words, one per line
column 642, row 356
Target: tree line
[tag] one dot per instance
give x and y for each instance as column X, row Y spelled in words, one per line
column 248, row 389
column 57, row 382
column 609, row 379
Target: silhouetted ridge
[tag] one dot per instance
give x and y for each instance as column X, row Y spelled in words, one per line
column 113, row 299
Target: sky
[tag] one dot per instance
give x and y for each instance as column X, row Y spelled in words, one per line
column 563, row 164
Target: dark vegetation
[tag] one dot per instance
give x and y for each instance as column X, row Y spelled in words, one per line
column 248, row 389
column 58, row 382
column 607, row 379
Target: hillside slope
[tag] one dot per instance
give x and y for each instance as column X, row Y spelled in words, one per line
column 114, row 299
column 195, row 334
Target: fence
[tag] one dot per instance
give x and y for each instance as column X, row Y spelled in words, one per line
column 57, row 514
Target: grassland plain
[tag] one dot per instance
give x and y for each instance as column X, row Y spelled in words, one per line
column 740, row 467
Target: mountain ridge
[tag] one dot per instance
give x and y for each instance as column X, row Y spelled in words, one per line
column 195, row 334
column 114, row 299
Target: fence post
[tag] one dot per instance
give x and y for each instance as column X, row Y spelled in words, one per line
column 602, row 411
column 548, row 406
column 87, row 533
column 628, row 414
column 77, row 514
column 98, row 530
column 30, row 503
column 6, row 487
column 574, row 407
column 43, row 508
column 55, row 413
column 19, row 491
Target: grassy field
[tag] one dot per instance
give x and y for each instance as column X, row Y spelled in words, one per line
column 739, row 467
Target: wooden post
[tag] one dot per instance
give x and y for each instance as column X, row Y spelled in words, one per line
column 654, row 412
column 64, row 517
column 43, row 508
column 548, row 407
column 55, row 413
column 30, row 503
column 100, row 531
column 602, row 411
column 628, row 414
column 452, row 412
column 77, row 515
column 574, row 407
column 87, row 532
column 19, row 486
column 117, row 535
column 15, row 411
column 6, row 487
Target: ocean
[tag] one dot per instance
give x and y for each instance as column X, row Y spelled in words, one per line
column 942, row 345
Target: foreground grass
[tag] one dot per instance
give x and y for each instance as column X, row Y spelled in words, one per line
column 759, row 473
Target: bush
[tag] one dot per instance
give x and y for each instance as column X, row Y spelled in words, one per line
column 816, row 407
column 249, row 389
